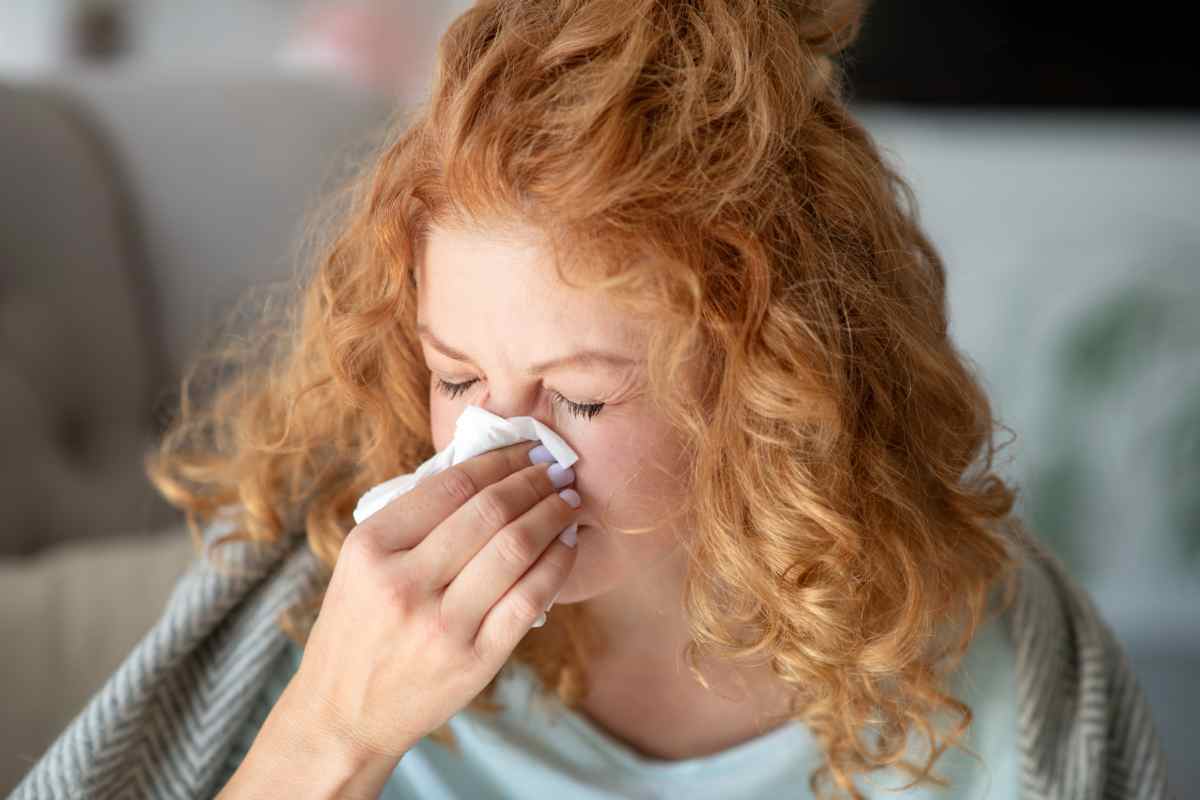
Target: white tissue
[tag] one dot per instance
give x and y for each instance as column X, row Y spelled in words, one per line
column 476, row 431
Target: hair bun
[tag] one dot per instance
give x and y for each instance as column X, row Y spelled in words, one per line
column 826, row 26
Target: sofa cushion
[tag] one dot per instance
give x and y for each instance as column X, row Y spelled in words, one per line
column 140, row 208
column 76, row 365
column 73, row 613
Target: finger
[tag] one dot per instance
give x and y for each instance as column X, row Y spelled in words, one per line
column 448, row 548
column 404, row 522
column 511, row 617
column 503, row 559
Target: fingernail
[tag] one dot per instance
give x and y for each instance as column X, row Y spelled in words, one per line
column 560, row 476
column 540, row 455
column 568, row 536
column 571, row 497
column 541, row 620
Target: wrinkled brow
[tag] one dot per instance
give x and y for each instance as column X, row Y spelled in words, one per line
column 583, row 359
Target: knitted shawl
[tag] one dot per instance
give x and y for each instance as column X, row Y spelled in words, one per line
column 164, row 722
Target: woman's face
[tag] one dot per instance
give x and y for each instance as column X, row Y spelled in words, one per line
column 500, row 311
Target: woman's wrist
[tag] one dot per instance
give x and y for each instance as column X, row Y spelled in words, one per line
column 297, row 754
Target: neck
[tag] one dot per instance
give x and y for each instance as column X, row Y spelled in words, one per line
column 644, row 632
column 641, row 622
column 641, row 691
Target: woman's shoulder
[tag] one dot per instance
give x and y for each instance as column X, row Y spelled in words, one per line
column 987, row 760
column 1075, row 688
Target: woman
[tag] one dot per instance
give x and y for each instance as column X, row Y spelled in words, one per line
column 785, row 478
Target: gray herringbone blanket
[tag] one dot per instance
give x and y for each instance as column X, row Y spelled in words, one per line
column 164, row 722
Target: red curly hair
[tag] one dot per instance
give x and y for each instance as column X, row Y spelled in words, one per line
column 696, row 160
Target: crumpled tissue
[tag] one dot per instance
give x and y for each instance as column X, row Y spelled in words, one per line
column 476, row 431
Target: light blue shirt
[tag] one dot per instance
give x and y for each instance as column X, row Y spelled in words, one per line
column 537, row 747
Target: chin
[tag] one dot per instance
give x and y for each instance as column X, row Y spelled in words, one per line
column 592, row 574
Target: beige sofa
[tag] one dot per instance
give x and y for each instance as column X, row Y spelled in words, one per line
column 72, row 612
column 137, row 209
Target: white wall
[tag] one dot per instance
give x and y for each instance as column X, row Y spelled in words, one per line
column 190, row 34
column 31, row 35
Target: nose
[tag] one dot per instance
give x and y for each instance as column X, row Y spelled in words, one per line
column 512, row 401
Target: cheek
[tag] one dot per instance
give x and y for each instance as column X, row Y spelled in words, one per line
column 607, row 450
column 442, row 416
column 619, row 459
column 601, row 464
column 619, row 483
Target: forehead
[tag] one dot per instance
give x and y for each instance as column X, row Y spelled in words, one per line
column 508, row 274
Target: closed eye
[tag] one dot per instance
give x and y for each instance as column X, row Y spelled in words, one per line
column 582, row 410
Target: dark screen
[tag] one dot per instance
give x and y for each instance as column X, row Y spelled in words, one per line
column 948, row 52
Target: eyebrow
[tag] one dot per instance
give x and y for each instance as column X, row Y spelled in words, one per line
column 582, row 358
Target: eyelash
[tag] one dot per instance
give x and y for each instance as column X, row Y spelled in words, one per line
column 583, row 410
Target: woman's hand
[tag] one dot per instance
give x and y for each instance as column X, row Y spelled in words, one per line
column 430, row 596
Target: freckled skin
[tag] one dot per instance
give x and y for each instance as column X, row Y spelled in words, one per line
column 527, row 316
column 496, row 299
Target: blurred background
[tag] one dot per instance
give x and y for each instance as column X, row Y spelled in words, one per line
column 161, row 158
